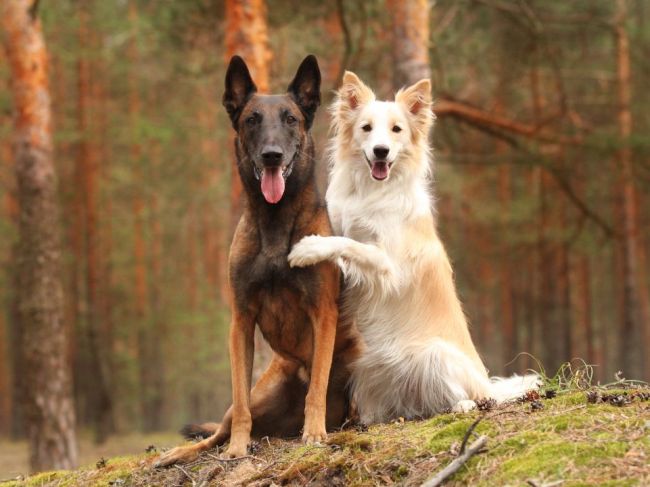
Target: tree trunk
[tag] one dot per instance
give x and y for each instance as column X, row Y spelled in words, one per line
column 247, row 36
column 410, row 40
column 47, row 395
column 636, row 312
column 98, row 370
column 5, row 379
column 9, row 373
column 141, row 291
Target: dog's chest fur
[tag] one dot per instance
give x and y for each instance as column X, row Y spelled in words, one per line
column 276, row 296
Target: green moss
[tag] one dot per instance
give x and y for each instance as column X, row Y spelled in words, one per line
column 568, row 439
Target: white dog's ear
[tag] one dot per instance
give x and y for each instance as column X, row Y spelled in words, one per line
column 417, row 100
column 353, row 92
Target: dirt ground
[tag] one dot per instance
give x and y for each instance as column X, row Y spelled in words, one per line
column 13, row 455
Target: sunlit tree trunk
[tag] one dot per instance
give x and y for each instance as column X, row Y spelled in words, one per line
column 8, row 348
column 49, row 409
column 410, row 40
column 636, row 297
column 247, row 36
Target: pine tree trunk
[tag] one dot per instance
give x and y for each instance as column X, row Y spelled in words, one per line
column 5, row 379
column 8, row 399
column 636, row 312
column 47, row 395
column 98, row 370
column 410, row 41
column 246, row 36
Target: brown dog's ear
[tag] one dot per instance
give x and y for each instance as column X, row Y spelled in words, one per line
column 305, row 88
column 417, row 100
column 239, row 88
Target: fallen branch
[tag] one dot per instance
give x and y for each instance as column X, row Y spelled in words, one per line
column 458, row 462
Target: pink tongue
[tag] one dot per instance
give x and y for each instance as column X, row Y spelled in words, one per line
column 272, row 184
column 379, row 170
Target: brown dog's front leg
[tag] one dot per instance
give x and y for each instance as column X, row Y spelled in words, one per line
column 315, row 402
column 241, row 365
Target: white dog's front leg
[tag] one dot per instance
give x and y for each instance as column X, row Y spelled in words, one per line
column 314, row 249
column 360, row 262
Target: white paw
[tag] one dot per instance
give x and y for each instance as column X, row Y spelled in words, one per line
column 464, row 406
column 310, row 250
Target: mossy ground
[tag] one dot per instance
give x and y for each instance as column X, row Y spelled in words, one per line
column 568, row 439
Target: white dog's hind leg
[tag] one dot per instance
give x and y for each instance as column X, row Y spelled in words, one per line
column 397, row 381
column 464, row 406
column 504, row 389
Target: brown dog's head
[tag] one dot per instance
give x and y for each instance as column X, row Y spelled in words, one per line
column 273, row 130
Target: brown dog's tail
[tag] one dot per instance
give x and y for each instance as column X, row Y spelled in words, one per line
column 199, row 431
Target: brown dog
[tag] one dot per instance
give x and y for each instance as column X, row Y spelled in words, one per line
column 296, row 309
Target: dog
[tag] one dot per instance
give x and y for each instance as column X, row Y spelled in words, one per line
column 419, row 358
column 305, row 385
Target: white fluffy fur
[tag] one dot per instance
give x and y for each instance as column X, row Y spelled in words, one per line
column 419, row 358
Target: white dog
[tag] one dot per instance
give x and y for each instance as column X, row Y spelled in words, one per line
column 419, row 358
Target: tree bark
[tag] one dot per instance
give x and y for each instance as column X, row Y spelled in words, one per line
column 636, row 307
column 410, row 40
column 247, row 36
column 47, row 395
column 98, row 371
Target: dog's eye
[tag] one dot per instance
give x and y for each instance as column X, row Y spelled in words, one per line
column 251, row 120
column 397, row 129
column 291, row 119
column 367, row 127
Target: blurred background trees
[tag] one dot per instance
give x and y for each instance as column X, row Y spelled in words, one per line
column 542, row 170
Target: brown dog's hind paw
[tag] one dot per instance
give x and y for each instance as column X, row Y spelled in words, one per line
column 180, row 454
column 314, row 437
column 235, row 450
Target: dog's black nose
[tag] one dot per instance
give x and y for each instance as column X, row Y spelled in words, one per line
column 272, row 155
column 381, row 151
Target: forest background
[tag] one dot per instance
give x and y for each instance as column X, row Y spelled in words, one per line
column 542, row 171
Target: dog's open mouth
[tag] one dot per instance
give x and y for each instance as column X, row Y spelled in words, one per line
column 380, row 169
column 273, row 181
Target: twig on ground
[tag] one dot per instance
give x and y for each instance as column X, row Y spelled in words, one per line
column 458, row 462
column 191, row 479
column 467, row 435
column 533, row 483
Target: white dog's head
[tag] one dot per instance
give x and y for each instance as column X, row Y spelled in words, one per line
column 383, row 135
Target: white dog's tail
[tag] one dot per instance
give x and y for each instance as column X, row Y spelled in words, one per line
column 504, row 389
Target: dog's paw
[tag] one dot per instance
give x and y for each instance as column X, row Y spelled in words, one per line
column 236, row 449
column 309, row 251
column 314, row 437
column 464, row 406
column 180, row 454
